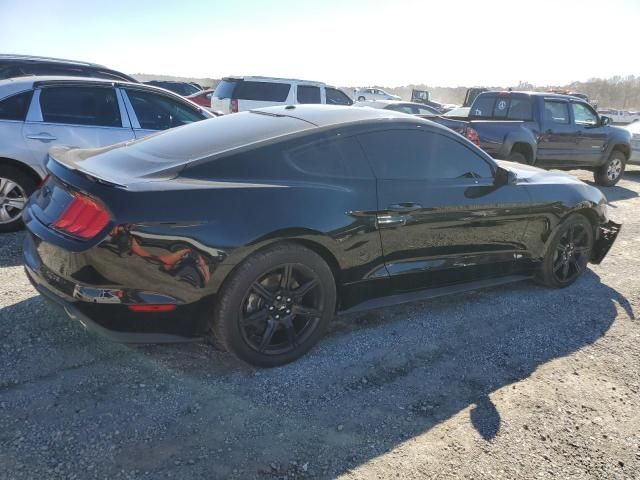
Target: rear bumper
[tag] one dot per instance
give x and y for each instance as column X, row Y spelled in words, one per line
column 92, row 326
column 607, row 234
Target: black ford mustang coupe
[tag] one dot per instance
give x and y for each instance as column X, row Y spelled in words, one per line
column 255, row 228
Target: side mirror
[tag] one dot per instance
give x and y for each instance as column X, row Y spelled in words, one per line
column 604, row 120
column 504, row 177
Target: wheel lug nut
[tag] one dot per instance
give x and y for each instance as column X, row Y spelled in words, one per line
column 289, row 300
column 271, row 307
column 278, row 297
column 277, row 317
column 288, row 311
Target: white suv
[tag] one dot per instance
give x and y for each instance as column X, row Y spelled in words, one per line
column 237, row 94
column 37, row 113
column 364, row 94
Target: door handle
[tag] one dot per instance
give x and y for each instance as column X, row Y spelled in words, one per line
column 43, row 137
column 404, row 207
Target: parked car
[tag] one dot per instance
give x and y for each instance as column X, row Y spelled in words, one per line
column 547, row 130
column 364, row 94
column 259, row 226
column 237, row 94
column 39, row 112
column 181, row 88
column 621, row 117
column 202, row 98
column 400, row 106
column 22, row 65
column 634, row 130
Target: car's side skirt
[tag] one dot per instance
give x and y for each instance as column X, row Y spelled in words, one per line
column 426, row 294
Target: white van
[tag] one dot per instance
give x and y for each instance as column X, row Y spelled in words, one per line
column 237, row 94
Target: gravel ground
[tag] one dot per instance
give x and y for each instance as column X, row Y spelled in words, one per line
column 511, row 382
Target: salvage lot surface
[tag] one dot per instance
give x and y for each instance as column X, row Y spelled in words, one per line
column 512, row 382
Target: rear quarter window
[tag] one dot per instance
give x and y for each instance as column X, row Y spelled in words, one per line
column 262, row 91
column 327, row 156
column 16, row 106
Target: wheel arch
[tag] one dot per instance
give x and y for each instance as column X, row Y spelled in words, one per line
column 525, row 149
column 522, row 141
column 622, row 148
column 23, row 167
column 315, row 246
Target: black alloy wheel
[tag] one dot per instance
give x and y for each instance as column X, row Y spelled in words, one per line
column 568, row 252
column 275, row 306
column 281, row 309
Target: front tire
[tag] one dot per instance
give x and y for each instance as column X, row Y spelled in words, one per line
column 15, row 188
column 568, row 252
column 275, row 306
column 361, row 99
column 611, row 172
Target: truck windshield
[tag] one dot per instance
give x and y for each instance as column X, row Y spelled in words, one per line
column 505, row 107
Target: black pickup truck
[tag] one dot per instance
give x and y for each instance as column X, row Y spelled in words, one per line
column 547, row 130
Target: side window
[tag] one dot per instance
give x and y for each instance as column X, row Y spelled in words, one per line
column 520, row 109
column 403, row 108
column 96, row 106
column 337, row 97
column 262, row 91
column 583, row 115
column 410, row 154
column 556, row 112
column 16, row 107
column 335, row 157
column 308, row 94
column 425, row 111
column 159, row 112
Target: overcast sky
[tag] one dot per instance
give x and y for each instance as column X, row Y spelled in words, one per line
column 354, row 43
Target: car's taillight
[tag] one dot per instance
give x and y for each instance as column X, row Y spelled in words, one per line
column 472, row 136
column 83, row 218
column 234, row 105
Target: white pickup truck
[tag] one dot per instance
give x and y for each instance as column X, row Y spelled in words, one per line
column 620, row 116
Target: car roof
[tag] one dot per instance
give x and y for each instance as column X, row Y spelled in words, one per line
column 166, row 153
column 531, row 93
column 326, row 115
column 34, row 58
column 10, row 86
column 255, row 78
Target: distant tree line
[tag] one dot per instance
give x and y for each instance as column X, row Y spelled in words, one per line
column 616, row 92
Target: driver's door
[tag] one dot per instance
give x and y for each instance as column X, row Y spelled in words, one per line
column 152, row 112
column 441, row 216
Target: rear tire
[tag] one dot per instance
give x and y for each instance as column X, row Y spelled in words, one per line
column 517, row 157
column 568, row 252
column 275, row 306
column 611, row 172
column 15, row 188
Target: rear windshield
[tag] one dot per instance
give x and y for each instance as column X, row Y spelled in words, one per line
column 252, row 90
column 505, row 107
